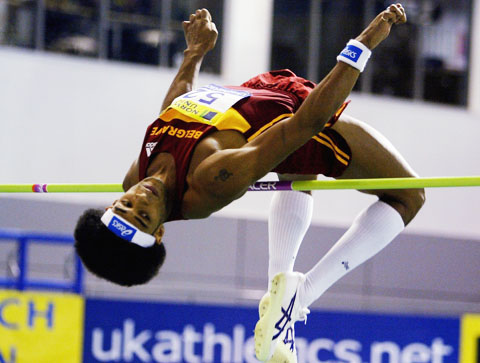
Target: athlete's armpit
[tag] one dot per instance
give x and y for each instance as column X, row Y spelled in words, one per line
column 210, row 189
column 226, row 174
column 223, row 175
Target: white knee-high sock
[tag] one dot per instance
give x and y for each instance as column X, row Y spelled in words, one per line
column 289, row 218
column 371, row 231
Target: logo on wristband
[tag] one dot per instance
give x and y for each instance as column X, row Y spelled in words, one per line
column 121, row 229
column 351, row 52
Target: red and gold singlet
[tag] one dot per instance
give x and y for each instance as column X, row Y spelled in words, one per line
column 251, row 109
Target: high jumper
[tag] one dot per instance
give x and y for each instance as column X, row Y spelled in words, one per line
column 210, row 144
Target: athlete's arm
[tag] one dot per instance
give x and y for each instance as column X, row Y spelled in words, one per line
column 201, row 35
column 226, row 175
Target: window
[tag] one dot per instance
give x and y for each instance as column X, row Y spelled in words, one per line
column 426, row 59
column 138, row 31
column 70, row 26
column 17, row 23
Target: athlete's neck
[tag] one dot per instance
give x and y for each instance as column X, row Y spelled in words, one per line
column 163, row 168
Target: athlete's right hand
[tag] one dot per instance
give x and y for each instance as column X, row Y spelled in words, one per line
column 379, row 28
column 200, row 32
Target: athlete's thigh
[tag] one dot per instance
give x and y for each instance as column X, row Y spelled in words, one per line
column 373, row 155
column 297, row 176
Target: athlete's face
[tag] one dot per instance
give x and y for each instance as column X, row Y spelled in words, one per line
column 143, row 205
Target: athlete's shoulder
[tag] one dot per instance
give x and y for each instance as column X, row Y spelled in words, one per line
column 198, row 202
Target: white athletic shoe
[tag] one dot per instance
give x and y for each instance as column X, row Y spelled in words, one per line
column 279, row 314
column 286, row 350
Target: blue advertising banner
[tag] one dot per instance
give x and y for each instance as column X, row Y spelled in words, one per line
column 124, row 331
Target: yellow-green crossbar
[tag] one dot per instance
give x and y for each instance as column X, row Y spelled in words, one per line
column 388, row 183
column 61, row 188
column 361, row 184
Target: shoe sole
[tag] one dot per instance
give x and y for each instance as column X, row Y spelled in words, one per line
column 262, row 307
column 265, row 326
column 282, row 355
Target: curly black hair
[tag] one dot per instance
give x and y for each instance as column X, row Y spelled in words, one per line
column 111, row 257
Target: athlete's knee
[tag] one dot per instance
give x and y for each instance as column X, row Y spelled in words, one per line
column 419, row 199
column 408, row 202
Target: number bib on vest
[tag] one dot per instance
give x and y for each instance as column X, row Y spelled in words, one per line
column 208, row 103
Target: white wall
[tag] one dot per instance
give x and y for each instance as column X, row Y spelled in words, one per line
column 247, row 39
column 68, row 120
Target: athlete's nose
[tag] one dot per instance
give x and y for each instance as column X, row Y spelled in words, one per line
column 142, row 196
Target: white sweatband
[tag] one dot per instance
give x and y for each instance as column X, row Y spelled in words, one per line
column 125, row 230
column 355, row 54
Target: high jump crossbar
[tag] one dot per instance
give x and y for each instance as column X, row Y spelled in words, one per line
column 360, row 184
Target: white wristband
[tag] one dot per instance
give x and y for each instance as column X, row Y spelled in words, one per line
column 355, row 54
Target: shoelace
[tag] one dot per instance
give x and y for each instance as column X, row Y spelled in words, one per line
column 302, row 316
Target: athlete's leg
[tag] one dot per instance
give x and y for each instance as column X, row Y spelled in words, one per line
column 373, row 156
column 291, row 292
column 289, row 218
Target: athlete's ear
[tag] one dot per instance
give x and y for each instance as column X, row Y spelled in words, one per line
column 158, row 234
